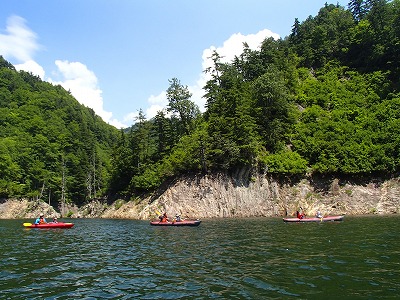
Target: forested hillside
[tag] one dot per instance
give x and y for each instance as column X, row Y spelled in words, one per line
column 51, row 147
column 323, row 100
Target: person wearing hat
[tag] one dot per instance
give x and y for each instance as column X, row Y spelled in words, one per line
column 41, row 220
column 55, row 220
column 318, row 214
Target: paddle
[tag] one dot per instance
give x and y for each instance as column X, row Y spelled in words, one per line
column 27, row 224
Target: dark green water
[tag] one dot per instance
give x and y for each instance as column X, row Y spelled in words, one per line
column 261, row 258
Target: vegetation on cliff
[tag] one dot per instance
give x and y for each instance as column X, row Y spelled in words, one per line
column 325, row 99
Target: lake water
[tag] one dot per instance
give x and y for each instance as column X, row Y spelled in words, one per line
column 260, row 258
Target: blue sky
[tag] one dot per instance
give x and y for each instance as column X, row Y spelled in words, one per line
column 116, row 56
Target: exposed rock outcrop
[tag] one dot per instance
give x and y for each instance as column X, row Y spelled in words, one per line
column 213, row 196
column 220, row 195
column 23, row 208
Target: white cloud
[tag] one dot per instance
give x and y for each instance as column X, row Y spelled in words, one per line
column 158, row 103
column 83, row 84
column 152, row 111
column 131, row 117
column 19, row 41
column 116, row 123
column 159, row 99
column 198, row 92
column 32, row 67
column 234, row 46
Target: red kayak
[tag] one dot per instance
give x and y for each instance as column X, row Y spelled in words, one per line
column 49, row 225
column 323, row 219
column 177, row 223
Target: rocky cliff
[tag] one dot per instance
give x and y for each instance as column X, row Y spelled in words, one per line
column 220, row 195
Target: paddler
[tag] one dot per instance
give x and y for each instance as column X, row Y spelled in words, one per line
column 41, row 220
column 300, row 215
column 164, row 218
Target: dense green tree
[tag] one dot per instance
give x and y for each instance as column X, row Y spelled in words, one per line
column 231, row 124
column 180, row 105
column 274, row 112
column 121, row 165
column 164, row 133
column 324, row 37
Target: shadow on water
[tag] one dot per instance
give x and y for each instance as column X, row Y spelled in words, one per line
column 220, row 259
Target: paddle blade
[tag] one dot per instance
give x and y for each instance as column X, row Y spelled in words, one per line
column 27, row 224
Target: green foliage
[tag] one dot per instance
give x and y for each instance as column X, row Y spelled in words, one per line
column 40, row 125
column 322, row 38
column 285, row 162
column 342, row 126
column 118, row 204
column 272, row 109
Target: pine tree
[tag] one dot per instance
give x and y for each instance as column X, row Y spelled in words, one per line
column 358, row 9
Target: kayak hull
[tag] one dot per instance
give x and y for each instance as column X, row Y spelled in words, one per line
column 305, row 220
column 50, row 225
column 180, row 223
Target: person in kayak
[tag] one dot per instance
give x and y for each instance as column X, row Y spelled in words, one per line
column 55, row 220
column 300, row 215
column 163, row 218
column 318, row 215
column 41, row 220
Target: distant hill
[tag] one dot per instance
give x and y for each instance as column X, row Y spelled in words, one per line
column 51, row 147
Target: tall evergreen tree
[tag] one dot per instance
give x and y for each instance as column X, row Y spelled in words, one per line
column 165, row 137
column 358, row 9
